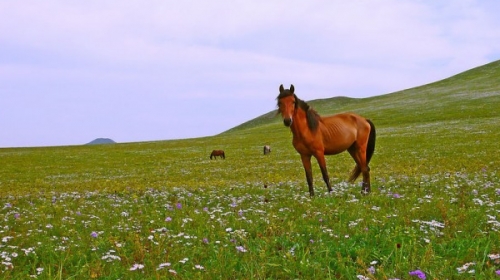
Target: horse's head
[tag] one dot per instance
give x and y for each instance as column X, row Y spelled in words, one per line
column 287, row 103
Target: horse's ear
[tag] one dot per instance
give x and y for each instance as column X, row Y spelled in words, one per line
column 281, row 88
column 292, row 89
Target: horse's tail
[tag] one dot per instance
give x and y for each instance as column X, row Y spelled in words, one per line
column 370, row 149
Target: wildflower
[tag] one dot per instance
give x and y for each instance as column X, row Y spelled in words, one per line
column 419, row 273
column 465, row 267
column 205, row 240
column 136, row 266
column 163, row 265
column 172, row 271
column 371, row 270
column 229, row 229
column 184, row 260
column 497, row 272
column 241, row 249
column 179, row 205
column 396, row 195
column 94, row 234
column 199, row 267
column 168, row 219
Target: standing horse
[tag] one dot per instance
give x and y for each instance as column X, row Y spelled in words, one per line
column 267, row 149
column 318, row 136
column 217, row 153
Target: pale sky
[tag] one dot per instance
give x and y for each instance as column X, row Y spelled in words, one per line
column 73, row 71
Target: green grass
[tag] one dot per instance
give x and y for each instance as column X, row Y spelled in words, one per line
column 158, row 210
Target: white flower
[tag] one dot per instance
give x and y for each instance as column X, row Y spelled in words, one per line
column 137, row 266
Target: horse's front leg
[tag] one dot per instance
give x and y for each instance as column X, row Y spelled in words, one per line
column 306, row 162
column 324, row 171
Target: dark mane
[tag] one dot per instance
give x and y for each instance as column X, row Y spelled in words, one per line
column 312, row 116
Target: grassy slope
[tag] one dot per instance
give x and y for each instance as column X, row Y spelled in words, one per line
column 472, row 94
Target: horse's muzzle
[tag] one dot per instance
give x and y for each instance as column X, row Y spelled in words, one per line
column 287, row 121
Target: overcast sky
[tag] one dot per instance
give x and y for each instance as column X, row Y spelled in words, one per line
column 73, row 71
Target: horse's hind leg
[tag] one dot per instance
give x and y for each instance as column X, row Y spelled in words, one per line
column 359, row 156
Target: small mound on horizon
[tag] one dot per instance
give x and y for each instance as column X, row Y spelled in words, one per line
column 99, row 141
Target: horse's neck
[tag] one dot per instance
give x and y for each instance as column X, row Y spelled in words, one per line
column 299, row 124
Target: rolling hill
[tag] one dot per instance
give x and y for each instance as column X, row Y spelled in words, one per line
column 471, row 94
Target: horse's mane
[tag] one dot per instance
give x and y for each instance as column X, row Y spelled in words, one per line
column 311, row 115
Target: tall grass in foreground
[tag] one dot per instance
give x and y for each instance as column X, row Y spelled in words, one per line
column 163, row 210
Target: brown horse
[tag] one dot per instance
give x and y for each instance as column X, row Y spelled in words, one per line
column 318, row 136
column 218, row 153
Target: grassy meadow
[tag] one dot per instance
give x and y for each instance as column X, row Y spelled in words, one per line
column 164, row 210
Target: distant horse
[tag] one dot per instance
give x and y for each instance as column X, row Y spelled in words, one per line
column 267, row 149
column 217, row 153
column 318, row 136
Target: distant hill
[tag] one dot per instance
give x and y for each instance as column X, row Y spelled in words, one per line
column 99, row 141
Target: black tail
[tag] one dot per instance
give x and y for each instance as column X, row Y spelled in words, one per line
column 370, row 149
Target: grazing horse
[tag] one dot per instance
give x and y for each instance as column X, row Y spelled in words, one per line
column 318, row 136
column 267, row 149
column 217, row 153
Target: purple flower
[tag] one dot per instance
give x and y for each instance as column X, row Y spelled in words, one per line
column 241, row 249
column 94, row 234
column 419, row 273
column 179, row 205
column 371, row 270
column 168, row 219
column 396, row 195
column 497, row 272
column 205, row 240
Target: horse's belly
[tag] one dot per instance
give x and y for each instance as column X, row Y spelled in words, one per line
column 336, row 148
